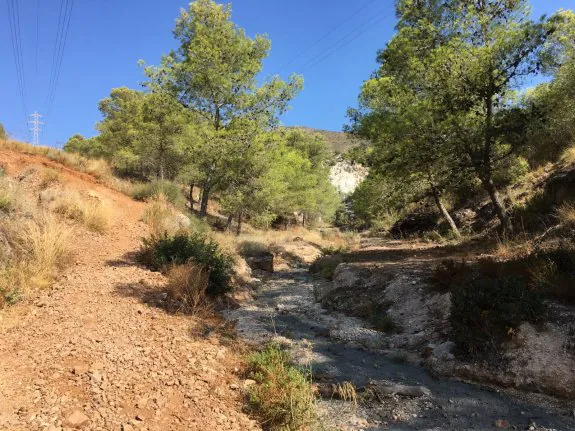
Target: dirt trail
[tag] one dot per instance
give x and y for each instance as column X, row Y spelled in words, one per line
column 98, row 352
column 340, row 348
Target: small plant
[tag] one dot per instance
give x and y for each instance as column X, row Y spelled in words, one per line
column 188, row 284
column 49, row 177
column 446, row 274
column 89, row 212
column 486, row 311
column 158, row 252
column 325, row 266
column 347, row 392
column 400, row 357
column 282, row 397
column 566, row 215
column 171, row 191
column 382, row 321
column 160, row 216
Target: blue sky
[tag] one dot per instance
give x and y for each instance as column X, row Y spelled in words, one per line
column 107, row 37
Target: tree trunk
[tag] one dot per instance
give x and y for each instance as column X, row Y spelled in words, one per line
column 205, row 200
column 191, row 196
column 444, row 212
column 500, row 210
column 239, row 229
column 229, row 223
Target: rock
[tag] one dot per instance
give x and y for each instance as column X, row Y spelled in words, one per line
column 264, row 262
column 97, row 377
column 80, row 369
column 77, row 419
column 142, row 403
column 406, row 391
column 183, row 221
column 234, row 387
column 443, row 351
column 248, row 383
column 346, row 176
column 502, row 424
column 127, row 427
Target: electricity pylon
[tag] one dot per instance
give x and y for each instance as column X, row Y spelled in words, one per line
column 36, row 123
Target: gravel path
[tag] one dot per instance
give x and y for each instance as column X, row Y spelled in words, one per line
column 340, row 348
column 98, row 352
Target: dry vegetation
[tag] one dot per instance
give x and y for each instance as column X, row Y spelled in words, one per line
column 33, row 244
column 88, row 211
column 98, row 168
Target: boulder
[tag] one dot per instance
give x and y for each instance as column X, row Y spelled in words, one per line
column 183, row 221
column 263, row 262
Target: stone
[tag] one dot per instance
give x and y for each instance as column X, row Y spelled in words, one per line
column 183, row 221
column 80, row 369
column 77, row 419
column 249, row 382
column 264, row 262
column 502, row 424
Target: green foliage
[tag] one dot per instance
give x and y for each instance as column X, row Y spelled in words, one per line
column 325, row 266
column 160, row 251
column 225, row 99
column 382, row 321
column 486, row 311
column 146, row 191
column 282, row 397
column 553, row 271
column 443, row 104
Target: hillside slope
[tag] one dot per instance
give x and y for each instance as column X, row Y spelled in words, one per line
column 98, row 351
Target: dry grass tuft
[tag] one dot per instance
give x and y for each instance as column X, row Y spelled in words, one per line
column 566, row 215
column 36, row 250
column 90, row 212
column 49, row 177
column 568, row 157
column 346, row 392
column 188, row 285
column 160, row 216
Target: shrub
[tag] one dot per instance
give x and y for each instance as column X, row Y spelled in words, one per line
column 553, row 271
column 188, row 284
column 171, row 191
column 282, row 397
column 486, row 311
column 160, row 251
column 160, row 216
column 325, row 266
column 382, row 321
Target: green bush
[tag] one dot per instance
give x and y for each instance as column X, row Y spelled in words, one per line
column 171, row 191
column 553, row 272
column 325, row 266
column 160, row 251
column 282, row 397
column 486, row 311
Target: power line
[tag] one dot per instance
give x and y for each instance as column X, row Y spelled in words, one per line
column 343, row 45
column 326, row 35
column 60, row 46
column 14, row 24
column 345, row 40
column 37, row 32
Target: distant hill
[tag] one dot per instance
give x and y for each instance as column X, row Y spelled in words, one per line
column 340, row 142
